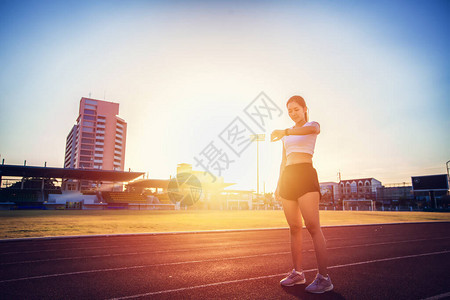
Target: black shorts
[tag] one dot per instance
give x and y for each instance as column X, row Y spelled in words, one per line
column 297, row 180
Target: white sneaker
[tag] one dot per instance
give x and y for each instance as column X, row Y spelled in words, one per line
column 293, row 278
column 320, row 285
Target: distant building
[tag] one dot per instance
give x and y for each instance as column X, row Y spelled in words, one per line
column 98, row 139
column 363, row 188
column 395, row 194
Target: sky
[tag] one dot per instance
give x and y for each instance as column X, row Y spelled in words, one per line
column 374, row 74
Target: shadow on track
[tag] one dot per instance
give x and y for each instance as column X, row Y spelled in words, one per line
column 299, row 292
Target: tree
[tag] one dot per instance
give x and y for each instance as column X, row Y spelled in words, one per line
column 35, row 183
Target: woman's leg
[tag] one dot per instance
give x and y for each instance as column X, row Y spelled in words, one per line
column 309, row 207
column 294, row 219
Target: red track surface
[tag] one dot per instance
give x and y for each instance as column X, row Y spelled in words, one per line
column 396, row 261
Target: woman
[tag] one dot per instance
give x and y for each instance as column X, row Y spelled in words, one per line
column 299, row 191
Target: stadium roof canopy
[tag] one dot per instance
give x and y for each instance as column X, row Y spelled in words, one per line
column 66, row 173
column 163, row 183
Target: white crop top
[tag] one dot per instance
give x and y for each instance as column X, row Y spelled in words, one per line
column 301, row 143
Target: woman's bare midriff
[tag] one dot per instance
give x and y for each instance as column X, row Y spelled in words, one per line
column 298, row 158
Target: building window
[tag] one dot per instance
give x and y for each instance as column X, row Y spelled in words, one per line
column 88, row 129
column 85, row 158
column 91, row 118
column 89, row 106
column 87, row 101
column 88, row 135
column 88, row 123
column 87, row 141
column 89, row 112
column 84, row 152
column 87, row 147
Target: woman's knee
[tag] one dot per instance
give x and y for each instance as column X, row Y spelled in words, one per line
column 313, row 228
column 295, row 228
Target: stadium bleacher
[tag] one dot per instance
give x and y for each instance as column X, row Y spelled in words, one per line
column 123, row 197
column 18, row 196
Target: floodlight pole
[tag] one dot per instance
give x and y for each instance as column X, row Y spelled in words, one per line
column 448, row 176
column 257, row 166
column 257, row 138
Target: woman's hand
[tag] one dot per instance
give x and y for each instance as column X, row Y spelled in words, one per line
column 276, row 135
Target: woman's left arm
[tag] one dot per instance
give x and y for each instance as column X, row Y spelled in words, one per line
column 313, row 128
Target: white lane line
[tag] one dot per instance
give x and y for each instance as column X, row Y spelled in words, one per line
column 151, row 244
column 142, row 266
column 140, row 245
column 161, row 264
column 210, row 231
column 387, row 243
column 275, row 275
column 161, row 251
column 190, row 250
column 57, row 250
column 441, row 296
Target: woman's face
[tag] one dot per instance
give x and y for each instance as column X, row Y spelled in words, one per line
column 296, row 112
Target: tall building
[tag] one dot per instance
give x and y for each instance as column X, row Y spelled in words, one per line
column 98, row 139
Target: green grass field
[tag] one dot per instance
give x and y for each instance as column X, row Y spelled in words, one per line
column 18, row 224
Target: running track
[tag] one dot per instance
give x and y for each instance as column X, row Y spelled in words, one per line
column 396, row 261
